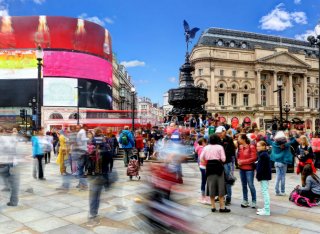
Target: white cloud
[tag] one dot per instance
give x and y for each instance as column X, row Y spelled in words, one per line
column 172, row 79
column 304, row 36
column 4, row 11
column 133, row 63
column 39, row 1
column 108, row 20
column 279, row 19
column 141, row 81
column 96, row 19
column 297, row 2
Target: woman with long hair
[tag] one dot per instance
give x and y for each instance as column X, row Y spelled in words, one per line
column 247, row 156
column 305, row 156
column 311, row 189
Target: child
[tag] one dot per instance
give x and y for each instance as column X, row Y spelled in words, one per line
column 201, row 144
column 263, row 176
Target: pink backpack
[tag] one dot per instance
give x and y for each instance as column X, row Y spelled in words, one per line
column 300, row 200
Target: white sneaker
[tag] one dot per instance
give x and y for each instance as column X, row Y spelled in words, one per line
column 253, row 205
column 260, row 210
column 264, row 213
column 283, row 194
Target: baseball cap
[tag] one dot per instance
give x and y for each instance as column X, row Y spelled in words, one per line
column 220, row 129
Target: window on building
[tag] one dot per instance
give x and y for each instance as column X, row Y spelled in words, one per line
column 234, row 73
column 234, row 86
column 308, row 79
column 316, row 103
column 308, row 102
column 233, row 99
column 221, row 99
column 221, row 72
column 263, row 95
column 246, row 74
column 263, row 77
column 246, row 87
column 246, row 99
column 294, row 97
column 200, row 72
column 221, row 86
column 143, row 107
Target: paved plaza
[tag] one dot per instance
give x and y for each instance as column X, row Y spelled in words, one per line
column 46, row 210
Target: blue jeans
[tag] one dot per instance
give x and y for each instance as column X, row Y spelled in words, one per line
column 247, row 178
column 228, row 171
column 281, row 170
column 95, row 188
column 127, row 154
column 203, row 181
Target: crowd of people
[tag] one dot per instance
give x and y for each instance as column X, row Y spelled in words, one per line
column 218, row 148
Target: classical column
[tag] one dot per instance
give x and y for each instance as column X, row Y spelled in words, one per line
column 258, row 90
column 212, row 95
column 275, row 87
column 290, row 90
column 305, row 94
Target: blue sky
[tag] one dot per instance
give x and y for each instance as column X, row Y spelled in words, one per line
column 148, row 35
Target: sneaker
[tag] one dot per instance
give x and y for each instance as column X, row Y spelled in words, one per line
column 278, row 194
column 259, row 210
column 202, row 200
column 253, row 205
column 228, row 202
column 93, row 222
column 42, row 178
column 11, row 204
column 245, row 204
column 282, row 194
column 263, row 212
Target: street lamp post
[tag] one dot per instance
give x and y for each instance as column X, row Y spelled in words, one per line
column 32, row 104
column 78, row 97
column 315, row 41
column 279, row 84
column 287, row 110
column 133, row 92
column 39, row 56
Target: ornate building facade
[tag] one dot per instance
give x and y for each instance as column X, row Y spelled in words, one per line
column 241, row 71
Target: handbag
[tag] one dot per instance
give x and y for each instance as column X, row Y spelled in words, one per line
column 229, row 179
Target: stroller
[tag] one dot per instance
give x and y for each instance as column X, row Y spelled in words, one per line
column 133, row 167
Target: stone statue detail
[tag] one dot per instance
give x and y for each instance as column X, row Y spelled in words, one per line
column 190, row 34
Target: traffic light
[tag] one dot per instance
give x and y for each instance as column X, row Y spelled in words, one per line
column 75, row 115
column 23, row 113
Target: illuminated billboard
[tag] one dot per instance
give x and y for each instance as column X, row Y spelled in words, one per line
column 17, row 92
column 95, row 94
column 60, row 92
column 76, row 65
column 18, row 64
column 55, row 32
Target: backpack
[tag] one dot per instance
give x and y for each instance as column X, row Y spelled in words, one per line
column 300, row 200
column 124, row 139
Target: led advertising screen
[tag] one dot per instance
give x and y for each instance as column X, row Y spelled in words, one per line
column 77, row 65
column 18, row 64
column 95, row 94
column 60, row 92
column 17, row 93
column 54, row 32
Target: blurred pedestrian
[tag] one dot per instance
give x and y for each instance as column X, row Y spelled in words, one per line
column 127, row 142
column 39, row 145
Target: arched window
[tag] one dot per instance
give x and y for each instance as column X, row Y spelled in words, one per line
column 55, row 116
column 263, row 95
column 294, row 97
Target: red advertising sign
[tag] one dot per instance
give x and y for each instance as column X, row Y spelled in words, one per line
column 54, row 32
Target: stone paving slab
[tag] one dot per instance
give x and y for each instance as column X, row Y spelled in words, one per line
column 46, row 210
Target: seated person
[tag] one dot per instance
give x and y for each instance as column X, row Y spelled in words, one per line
column 311, row 189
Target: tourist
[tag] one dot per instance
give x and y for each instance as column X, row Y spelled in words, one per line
column 63, row 154
column 311, row 188
column 247, row 156
column 127, row 142
column 227, row 143
column 213, row 157
column 263, row 176
column 199, row 148
column 305, row 156
column 139, row 146
column 281, row 156
column 39, row 144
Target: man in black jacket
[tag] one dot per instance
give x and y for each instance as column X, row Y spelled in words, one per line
column 230, row 152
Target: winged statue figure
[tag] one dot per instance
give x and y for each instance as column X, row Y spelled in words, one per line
column 190, row 34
